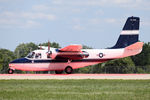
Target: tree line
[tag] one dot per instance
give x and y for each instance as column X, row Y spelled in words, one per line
column 135, row 64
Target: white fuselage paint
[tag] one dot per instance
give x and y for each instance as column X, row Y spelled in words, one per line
column 108, row 54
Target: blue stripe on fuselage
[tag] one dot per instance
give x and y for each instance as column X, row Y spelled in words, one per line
column 25, row 60
column 22, row 60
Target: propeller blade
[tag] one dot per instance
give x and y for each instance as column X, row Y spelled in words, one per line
column 40, row 47
column 48, row 53
column 48, row 46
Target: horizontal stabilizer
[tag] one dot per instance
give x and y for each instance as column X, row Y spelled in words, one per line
column 135, row 46
column 133, row 49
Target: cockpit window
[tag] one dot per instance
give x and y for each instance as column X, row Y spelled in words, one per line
column 34, row 55
column 38, row 55
column 31, row 55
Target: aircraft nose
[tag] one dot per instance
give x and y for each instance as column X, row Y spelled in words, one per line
column 14, row 61
column 21, row 60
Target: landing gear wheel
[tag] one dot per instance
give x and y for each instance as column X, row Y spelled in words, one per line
column 68, row 70
column 10, row 71
column 58, row 71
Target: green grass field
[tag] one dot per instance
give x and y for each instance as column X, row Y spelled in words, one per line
column 75, row 89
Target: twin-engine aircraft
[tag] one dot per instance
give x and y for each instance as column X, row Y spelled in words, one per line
column 73, row 56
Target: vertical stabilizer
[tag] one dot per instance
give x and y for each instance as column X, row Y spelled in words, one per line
column 129, row 34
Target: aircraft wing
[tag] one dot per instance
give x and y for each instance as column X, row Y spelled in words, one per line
column 71, row 52
column 72, row 48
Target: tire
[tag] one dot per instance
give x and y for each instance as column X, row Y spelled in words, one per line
column 68, row 70
column 58, row 71
column 10, row 71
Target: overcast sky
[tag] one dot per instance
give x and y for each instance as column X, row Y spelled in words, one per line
column 96, row 23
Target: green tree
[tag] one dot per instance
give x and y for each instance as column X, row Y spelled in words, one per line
column 53, row 44
column 6, row 56
column 23, row 49
column 142, row 60
column 87, row 69
column 99, row 68
column 123, row 65
column 86, row 47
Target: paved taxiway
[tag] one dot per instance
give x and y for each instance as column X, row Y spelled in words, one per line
column 75, row 76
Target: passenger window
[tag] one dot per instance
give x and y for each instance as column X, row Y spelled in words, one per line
column 31, row 55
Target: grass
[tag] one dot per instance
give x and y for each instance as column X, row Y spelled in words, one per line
column 75, row 89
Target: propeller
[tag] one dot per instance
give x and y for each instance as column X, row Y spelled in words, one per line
column 40, row 47
column 48, row 46
column 49, row 53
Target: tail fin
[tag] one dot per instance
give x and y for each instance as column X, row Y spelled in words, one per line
column 129, row 34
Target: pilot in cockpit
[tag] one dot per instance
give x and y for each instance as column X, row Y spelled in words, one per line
column 38, row 55
column 34, row 55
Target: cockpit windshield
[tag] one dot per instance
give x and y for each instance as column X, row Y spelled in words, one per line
column 31, row 55
column 34, row 55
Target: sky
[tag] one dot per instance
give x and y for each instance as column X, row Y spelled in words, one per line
column 95, row 23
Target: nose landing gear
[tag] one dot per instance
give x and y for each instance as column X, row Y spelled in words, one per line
column 10, row 71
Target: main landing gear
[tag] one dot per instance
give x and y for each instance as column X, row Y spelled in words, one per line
column 10, row 71
column 68, row 70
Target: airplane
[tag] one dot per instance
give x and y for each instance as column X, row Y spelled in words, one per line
column 73, row 56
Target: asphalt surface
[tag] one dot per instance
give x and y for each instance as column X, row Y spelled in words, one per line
column 75, row 76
